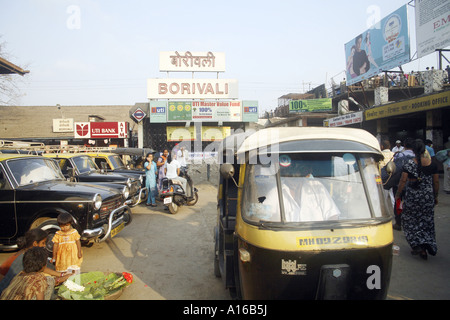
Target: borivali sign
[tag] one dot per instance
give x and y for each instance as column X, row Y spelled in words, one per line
column 192, row 61
column 192, row 88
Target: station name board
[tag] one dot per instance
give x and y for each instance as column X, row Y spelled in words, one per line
column 192, row 61
column 192, row 89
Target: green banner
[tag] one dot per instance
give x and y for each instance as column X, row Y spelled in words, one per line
column 310, row 105
column 179, row 111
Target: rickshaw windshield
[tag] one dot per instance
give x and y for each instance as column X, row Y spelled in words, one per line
column 314, row 187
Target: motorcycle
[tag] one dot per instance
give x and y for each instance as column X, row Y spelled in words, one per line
column 173, row 195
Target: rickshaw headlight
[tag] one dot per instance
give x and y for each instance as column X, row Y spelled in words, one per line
column 244, row 255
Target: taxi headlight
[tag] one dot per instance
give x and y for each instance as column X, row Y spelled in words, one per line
column 97, row 201
column 125, row 192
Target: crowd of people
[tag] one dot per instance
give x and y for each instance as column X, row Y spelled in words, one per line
column 30, row 274
column 167, row 165
column 413, row 189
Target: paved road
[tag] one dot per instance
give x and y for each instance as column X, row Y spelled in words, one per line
column 171, row 256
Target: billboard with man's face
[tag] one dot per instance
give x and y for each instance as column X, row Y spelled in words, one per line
column 380, row 48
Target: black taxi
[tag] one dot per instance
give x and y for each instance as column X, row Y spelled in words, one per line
column 82, row 168
column 33, row 192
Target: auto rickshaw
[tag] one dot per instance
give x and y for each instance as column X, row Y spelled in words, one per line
column 302, row 215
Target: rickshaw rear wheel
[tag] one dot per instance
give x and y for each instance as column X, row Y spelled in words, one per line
column 173, row 208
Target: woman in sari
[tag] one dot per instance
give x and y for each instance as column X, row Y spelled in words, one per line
column 421, row 183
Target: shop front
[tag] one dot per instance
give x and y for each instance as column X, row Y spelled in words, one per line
column 424, row 117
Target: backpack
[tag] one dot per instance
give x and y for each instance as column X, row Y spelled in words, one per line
column 394, row 180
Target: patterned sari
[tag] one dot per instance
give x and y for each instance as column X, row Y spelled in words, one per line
column 418, row 208
column 26, row 286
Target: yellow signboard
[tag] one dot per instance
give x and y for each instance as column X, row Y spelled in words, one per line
column 433, row 101
column 215, row 133
column 180, row 134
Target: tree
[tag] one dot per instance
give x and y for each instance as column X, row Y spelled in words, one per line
column 9, row 82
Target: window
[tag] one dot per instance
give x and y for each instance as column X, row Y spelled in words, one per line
column 314, row 187
column 33, row 170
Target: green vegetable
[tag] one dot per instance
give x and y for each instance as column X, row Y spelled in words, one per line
column 96, row 286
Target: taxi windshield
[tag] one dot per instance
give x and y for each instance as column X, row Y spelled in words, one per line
column 33, row 170
column 116, row 162
column 314, row 187
column 85, row 164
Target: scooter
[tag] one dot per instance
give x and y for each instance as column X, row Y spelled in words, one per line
column 173, row 195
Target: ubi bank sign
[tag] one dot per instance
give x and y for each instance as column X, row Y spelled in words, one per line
column 192, row 88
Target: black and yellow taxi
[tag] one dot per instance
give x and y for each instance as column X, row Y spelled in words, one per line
column 82, row 168
column 302, row 214
column 33, row 192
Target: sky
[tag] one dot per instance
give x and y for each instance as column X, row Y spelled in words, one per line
column 101, row 52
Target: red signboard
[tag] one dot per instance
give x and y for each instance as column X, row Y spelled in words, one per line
column 101, row 130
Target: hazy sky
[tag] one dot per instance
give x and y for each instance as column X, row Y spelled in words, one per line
column 97, row 52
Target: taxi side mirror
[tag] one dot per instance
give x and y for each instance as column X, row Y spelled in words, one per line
column 227, row 170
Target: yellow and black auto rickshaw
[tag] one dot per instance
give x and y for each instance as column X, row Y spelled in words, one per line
column 302, row 215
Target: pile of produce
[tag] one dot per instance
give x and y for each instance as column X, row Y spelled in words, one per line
column 93, row 285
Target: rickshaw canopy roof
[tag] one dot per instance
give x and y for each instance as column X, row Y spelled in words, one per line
column 271, row 136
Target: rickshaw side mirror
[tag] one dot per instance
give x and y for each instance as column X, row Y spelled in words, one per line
column 390, row 167
column 227, row 170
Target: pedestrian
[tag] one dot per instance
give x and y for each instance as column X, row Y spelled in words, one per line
column 385, row 146
column 446, row 166
column 182, row 157
column 400, row 159
column 66, row 245
column 173, row 172
column 447, row 144
column 14, row 265
column 398, row 147
column 444, row 157
column 429, row 148
column 160, row 164
column 420, row 180
column 151, row 172
column 31, row 283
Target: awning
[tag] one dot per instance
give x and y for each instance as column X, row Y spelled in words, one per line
column 7, row 67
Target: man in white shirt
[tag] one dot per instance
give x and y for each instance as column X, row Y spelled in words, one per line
column 182, row 157
column 398, row 147
column 172, row 170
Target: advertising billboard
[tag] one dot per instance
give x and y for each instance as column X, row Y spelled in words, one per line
column 310, row 105
column 432, row 26
column 382, row 47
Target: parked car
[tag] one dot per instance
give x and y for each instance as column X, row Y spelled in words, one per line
column 33, row 192
column 82, row 168
column 112, row 162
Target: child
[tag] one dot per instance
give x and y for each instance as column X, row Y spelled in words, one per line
column 150, row 179
column 66, row 245
column 31, row 283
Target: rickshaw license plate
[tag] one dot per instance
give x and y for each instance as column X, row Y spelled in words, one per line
column 117, row 229
column 167, row 200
